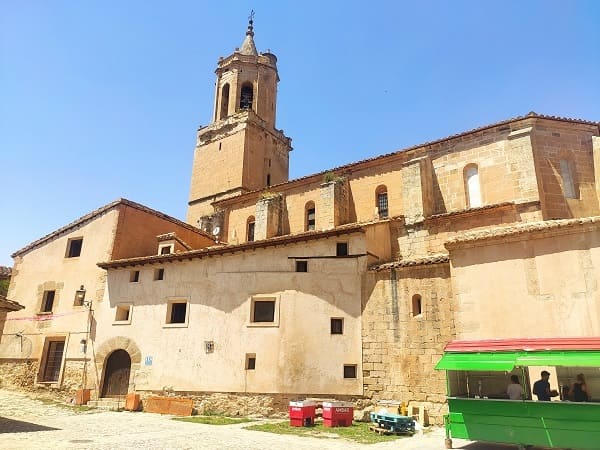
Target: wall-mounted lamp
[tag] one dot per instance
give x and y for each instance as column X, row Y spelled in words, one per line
column 80, row 295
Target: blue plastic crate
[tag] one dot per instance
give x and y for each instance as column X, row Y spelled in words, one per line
column 394, row 422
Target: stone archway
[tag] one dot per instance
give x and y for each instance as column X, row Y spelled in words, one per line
column 110, row 347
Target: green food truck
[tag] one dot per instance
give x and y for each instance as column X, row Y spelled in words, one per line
column 478, row 374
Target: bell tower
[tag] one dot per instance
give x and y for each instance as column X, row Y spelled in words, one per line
column 240, row 150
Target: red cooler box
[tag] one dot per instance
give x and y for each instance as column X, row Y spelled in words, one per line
column 302, row 414
column 338, row 414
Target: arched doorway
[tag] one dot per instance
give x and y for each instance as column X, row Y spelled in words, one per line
column 116, row 375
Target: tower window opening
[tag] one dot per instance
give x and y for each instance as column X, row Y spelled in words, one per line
column 268, row 179
column 250, row 229
column 382, row 201
column 568, row 183
column 473, row 190
column 310, row 220
column 224, row 102
column 246, row 96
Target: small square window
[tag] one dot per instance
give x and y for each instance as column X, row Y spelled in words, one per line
column 341, row 249
column 74, row 247
column 177, row 313
column 349, row 370
column 301, row 266
column 209, row 346
column 123, row 314
column 263, row 311
column 337, row 326
column 166, row 250
column 48, row 301
column 159, row 274
column 250, row 361
column 134, row 276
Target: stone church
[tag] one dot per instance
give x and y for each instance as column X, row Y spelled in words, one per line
column 342, row 284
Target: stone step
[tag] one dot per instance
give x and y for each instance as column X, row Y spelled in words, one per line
column 107, row 404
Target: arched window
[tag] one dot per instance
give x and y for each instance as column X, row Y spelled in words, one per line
column 246, row 96
column 568, row 182
column 472, row 187
column 416, row 305
column 310, row 218
column 250, row 229
column 224, row 101
column 381, row 199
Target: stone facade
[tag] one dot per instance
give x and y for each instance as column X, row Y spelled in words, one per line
column 352, row 281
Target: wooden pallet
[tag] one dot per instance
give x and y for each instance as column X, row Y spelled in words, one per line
column 382, row 431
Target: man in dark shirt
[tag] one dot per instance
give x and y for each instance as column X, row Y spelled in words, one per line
column 541, row 388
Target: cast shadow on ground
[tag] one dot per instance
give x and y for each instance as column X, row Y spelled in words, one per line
column 18, row 426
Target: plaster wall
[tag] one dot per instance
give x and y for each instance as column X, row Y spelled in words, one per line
column 297, row 354
column 137, row 231
column 544, row 286
column 47, row 268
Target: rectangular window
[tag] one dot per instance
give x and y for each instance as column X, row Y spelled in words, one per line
column 123, row 314
column 159, row 274
column 250, row 361
column 301, row 266
column 263, row 311
column 178, row 312
column 166, row 250
column 74, row 247
column 53, row 361
column 349, row 370
column 337, row 326
column 134, row 276
column 310, row 219
column 48, row 301
column 250, row 231
column 341, row 249
column 382, row 204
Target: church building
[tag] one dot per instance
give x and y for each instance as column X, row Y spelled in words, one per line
column 343, row 284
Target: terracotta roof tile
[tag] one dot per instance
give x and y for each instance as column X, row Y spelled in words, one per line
column 522, row 228
column 439, row 258
column 232, row 248
column 10, row 305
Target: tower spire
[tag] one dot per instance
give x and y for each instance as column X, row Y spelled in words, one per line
column 248, row 47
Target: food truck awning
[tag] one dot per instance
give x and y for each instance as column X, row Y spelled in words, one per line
column 506, row 361
column 501, row 361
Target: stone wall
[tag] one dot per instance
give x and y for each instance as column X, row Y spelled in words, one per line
column 401, row 347
column 22, row 375
column 245, row 404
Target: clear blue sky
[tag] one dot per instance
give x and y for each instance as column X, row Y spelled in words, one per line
column 101, row 100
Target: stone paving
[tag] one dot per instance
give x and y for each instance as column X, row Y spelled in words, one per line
column 26, row 423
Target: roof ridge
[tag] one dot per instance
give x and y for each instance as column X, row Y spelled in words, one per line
column 95, row 213
column 529, row 115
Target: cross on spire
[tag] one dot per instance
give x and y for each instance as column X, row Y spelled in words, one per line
column 251, row 23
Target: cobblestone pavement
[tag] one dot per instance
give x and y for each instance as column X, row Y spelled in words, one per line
column 26, row 423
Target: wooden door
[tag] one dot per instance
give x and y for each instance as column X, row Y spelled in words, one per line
column 116, row 374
